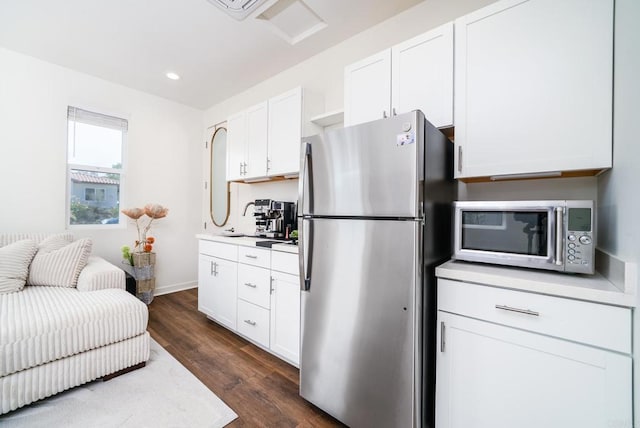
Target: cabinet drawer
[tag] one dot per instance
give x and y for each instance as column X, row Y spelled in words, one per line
column 253, row 322
column 254, row 256
column 254, row 285
column 594, row 324
column 284, row 262
column 218, row 249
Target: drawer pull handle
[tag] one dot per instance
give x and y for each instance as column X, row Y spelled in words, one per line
column 251, row 256
column 250, row 322
column 518, row 310
column 248, row 284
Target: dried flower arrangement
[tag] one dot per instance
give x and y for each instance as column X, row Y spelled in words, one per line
column 144, row 243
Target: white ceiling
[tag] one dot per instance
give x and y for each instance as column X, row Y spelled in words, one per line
column 136, row 42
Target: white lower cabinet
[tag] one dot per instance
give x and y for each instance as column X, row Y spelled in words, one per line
column 254, row 285
column 285, row 316
column 252, row 292
column 253, row 322
column 497, row 376
column 217, row 291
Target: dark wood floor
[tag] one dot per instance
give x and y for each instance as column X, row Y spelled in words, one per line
column 260, row 388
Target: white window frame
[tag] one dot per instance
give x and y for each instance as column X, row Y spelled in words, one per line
column 122, row 219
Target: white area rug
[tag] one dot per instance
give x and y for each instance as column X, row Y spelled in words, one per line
column 162, row 394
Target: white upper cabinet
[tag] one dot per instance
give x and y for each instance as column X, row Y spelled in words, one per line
column 257, row 117
column 533, row 83
column 422, row 70
column 247, row 143
column 285, row 131
column 415, row 74
column 236, row 146
column 264, row 140
column 367, row 89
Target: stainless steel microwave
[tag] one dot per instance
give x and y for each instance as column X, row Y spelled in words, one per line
column 553, row 235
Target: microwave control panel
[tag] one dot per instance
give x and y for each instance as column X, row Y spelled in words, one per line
column 580, row 248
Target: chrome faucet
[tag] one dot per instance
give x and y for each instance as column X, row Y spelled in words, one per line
column 247, row 206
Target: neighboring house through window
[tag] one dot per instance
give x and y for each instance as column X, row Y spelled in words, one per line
column 95, row 167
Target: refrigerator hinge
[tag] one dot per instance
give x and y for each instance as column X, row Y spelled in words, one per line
column 442, row 336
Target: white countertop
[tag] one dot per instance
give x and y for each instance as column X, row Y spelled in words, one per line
column 593, row 288
column 248, row 241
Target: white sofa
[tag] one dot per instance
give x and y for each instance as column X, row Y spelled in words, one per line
column 55, row 338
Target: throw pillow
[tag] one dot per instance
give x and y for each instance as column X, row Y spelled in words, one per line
column 14, row 265
column 58, row 263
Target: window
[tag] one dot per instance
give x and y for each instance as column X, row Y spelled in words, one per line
column 92, row 194
column 95, row 167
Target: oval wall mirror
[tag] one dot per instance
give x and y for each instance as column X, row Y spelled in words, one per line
column 219, row 187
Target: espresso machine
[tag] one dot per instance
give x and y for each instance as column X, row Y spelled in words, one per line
column 274, row 219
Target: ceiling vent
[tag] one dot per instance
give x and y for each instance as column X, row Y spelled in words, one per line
column 239, row 9
column 292, row 20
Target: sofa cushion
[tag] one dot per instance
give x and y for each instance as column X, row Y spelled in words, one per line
column 42, row 324
column 14, row 265
column 10, row 238
column 58, row 263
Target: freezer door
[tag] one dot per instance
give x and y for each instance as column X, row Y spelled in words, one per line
column 361, row 334
column 368, row 170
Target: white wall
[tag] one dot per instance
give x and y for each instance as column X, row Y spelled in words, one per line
column 163, row 147
column 619, row 189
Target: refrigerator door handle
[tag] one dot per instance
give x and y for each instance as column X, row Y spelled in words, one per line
column 305, row 178
column 304, row 248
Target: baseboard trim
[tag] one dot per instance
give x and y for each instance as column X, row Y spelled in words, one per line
column 159, row 291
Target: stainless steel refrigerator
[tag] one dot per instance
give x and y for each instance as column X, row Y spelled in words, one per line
column 374, row 221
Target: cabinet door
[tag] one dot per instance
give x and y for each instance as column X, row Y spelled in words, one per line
column 217, row 289
column 236, row 146
column 226, row 280
column 534, row 87
column 492, row 376
column 256, row 141
column 422, row 76
column 206, row 285
column 367, row 89
column 285, row 316
column 285, row 131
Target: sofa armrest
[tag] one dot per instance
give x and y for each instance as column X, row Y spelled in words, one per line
column 99, row 274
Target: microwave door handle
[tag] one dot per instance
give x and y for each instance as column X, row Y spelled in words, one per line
column 558, row 259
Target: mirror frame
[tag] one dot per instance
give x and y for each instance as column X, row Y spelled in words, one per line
column 221, row 126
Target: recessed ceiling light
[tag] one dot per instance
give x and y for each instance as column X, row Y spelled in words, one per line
column 173, row 76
